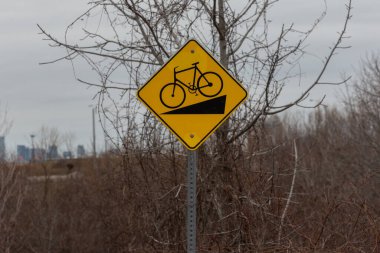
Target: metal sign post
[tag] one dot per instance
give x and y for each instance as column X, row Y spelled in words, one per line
column 191, row 222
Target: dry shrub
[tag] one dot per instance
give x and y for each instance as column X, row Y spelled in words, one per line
column 12, row 190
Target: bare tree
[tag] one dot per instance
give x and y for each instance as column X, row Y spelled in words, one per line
column 5, row 123
column 68, row 139
column 48, row 136
column 125, row 41
column 366, row 101
column 363, row 112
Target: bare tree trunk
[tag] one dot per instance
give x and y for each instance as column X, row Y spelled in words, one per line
column 222, row 132
column 224, row 172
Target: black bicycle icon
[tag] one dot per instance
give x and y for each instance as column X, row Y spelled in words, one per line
column 209, row 84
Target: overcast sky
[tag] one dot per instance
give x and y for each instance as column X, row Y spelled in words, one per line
column 48, row 95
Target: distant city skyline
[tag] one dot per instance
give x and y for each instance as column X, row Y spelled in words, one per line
column 12, row 141
column 27, row 154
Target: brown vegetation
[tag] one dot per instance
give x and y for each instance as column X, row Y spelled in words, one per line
column 136, row 202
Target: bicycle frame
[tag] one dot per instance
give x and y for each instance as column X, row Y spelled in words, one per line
column 205, row 88
column 193, row 86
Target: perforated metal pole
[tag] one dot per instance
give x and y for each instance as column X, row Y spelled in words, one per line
column 191, row 223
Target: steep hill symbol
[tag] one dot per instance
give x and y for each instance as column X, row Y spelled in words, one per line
column 211, row 106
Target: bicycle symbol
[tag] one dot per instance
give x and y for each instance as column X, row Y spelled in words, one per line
column 209, row 84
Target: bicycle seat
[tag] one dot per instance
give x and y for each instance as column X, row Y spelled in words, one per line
column 195, row 63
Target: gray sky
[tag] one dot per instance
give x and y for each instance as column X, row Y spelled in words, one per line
column 34, row 94
column 48, row 95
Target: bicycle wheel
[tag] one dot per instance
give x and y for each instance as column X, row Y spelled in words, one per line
column 172, row 95
column 210, row 84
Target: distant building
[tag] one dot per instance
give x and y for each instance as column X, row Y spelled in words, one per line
column 23, row 153
column 2, row 148
column 67, row 155
column 39, row 154
column 80, row 151
column 52, row 153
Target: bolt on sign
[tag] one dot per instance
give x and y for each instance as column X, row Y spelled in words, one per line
column 192, row 94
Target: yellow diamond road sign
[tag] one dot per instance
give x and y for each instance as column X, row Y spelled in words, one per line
column 192, row 94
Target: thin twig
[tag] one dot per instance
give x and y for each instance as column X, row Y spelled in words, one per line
column 290, row 192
